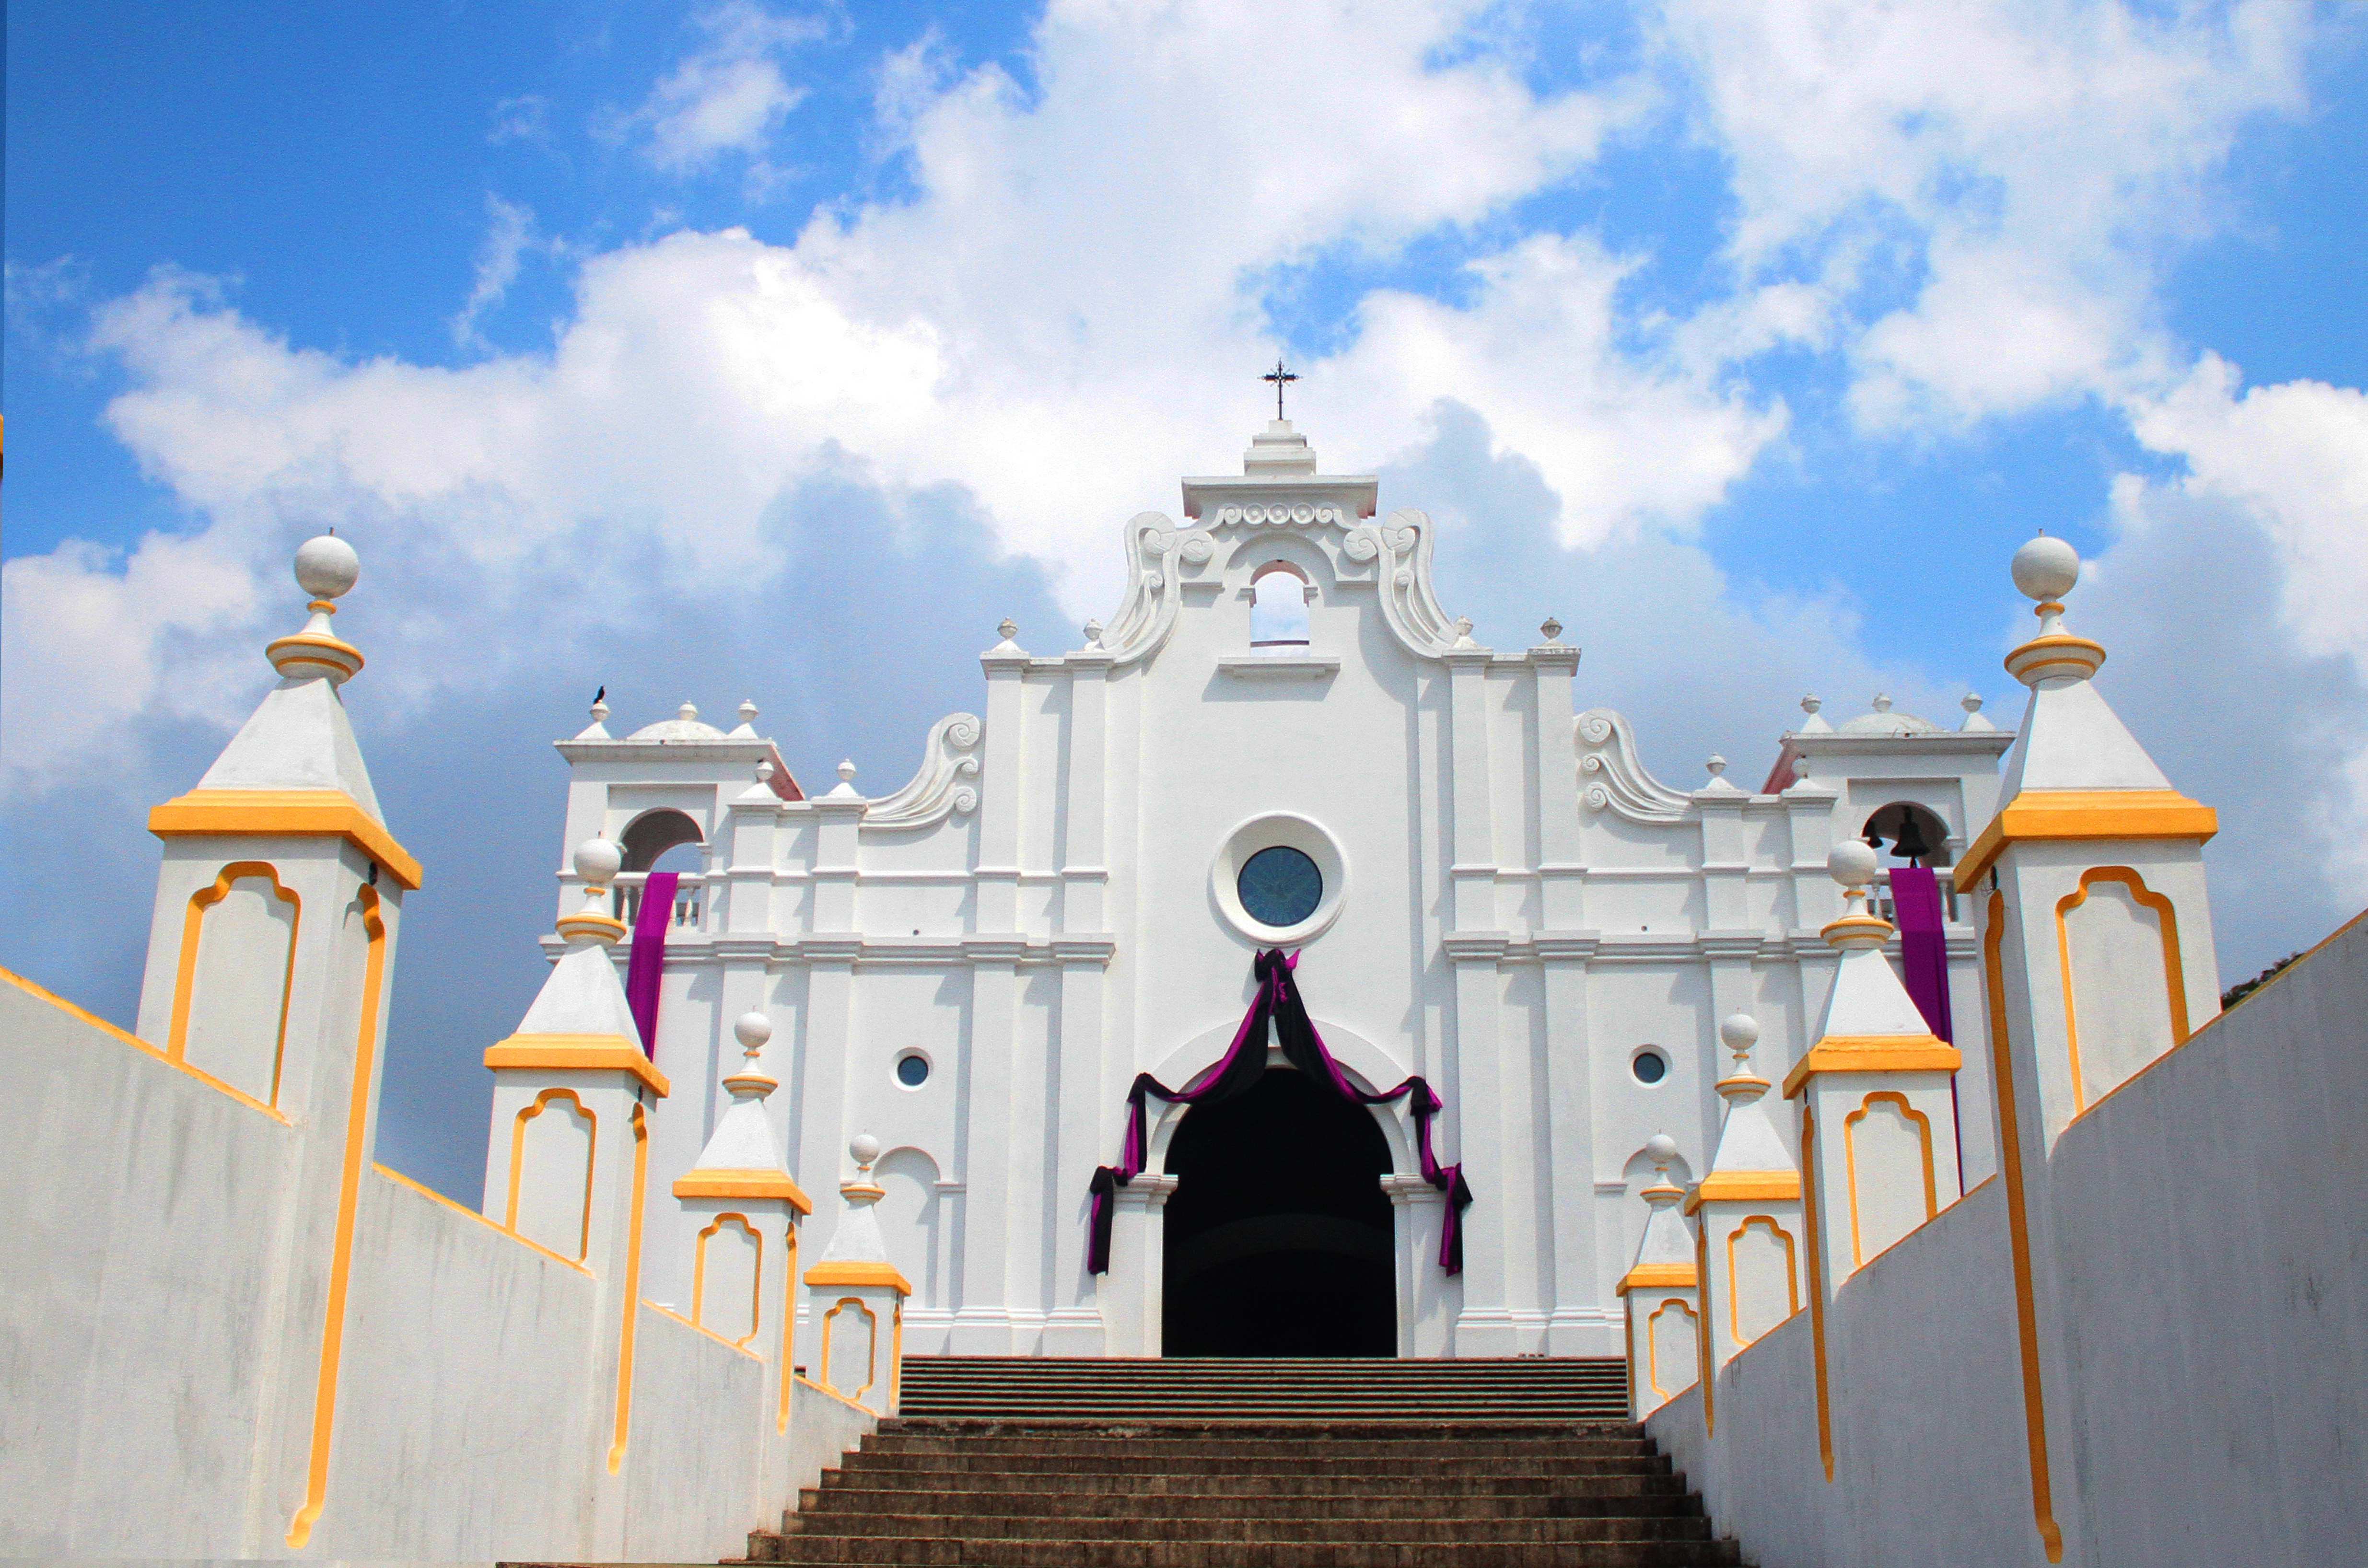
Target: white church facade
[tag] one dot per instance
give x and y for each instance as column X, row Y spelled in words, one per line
column 1281, row 741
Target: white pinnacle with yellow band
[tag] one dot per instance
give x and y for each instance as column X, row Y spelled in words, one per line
column 854, row 1297
column 1746, row 1217
column 1879, row 1124
column 1661, row 1294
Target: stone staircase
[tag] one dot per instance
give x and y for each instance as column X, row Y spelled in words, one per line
column 1025, row 1462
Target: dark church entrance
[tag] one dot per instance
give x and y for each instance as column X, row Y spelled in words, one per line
column 1278, row 1234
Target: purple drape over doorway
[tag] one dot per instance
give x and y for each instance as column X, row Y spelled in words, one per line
column 1277, row 1004
column 648, row 960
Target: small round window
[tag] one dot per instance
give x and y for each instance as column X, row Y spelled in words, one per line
column 912, row 1070
column 1650, row 1066
column 1279, row 886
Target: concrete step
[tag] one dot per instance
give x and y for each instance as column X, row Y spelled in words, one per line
column 847, row 1551
column 1136, row 1482
column 1117, row 1461
column 1472, row 1529
column 1160, row 1443
column 1628, row 1500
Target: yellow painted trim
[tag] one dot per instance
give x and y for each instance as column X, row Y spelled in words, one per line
column 1744, row 1187
column 1702, row 1338
column 185, row 977
column 871, row 1361
column 633, row 1292
column 518, row 1161
column 833, row 1394
column 1872, row 1053
column 742, row 1184
column 789, row 1320
column 341, row 1254
column 666, row 1311
column 578, row 1054
column 699, row 1278
column 1656, row 1276
column 844, row 1272
column 1849, row 1161
column 291, row 813
column 1816, row 1236
column 2017, row 1226
column 1653, row 1351
column 42, row 993
column 2086, row 814
column 895, row 1354
column 487, row 1221
column 1734, row 1296
column 2173, row 972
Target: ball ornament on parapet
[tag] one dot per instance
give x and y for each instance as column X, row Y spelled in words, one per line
column 752, row 1029
column 597, row 861
column 865, row 1148
column 1852, row 863
column 2046, row 568
column 1740, row 1032
column 1660, row 1148
column 326, row 567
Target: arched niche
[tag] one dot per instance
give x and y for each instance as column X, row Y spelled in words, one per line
column 648, row 836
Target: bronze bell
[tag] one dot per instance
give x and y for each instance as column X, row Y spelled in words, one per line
column 1911, row 844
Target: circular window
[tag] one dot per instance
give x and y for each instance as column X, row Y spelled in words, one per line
column 1277, row 879
column 912, row 1070
column 1279, row 886
column 1650, row 1066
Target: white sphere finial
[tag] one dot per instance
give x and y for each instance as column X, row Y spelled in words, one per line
column 1852, row 863
column 326, row 567
column 865, row 1148
column 1740, row 1031
column 752, row 1030
column 597, row 861
column 1660, row 1148
column 2045, row 568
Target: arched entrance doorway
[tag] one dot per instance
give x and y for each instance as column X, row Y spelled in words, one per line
column 1279, row 1236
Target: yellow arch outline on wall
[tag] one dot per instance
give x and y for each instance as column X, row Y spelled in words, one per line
column 1653, row 1351
column 1849, row 1161
column 1701, row 1339
column 1734, row 1296
column 341, row 1254
column 789, row 1319
column 176, row 1041
column 756, row 1287
column 517, row 1166
column 871, row 1363
column 2174, row 974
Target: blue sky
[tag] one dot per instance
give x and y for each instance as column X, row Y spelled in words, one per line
column 741, row 349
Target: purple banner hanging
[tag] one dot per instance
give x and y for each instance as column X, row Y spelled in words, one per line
column 648, row 957
column 1923, row 946
column 1276, row 1004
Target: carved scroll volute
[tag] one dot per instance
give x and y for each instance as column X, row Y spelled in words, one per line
column 1610, row 778
column 945, row 785
column 1155, row 549
column 1399, row 553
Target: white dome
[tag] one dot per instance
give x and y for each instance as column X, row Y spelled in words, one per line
column 1884, row 721
column 683, row 726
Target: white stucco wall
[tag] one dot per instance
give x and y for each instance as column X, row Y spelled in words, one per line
column 2212, row 1217
column 148, row 1284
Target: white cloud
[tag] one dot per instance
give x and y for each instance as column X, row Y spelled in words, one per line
column 509, row 232
column 1969, row 205
column 729, row 97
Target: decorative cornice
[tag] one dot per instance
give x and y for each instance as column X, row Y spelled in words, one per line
column 742, row 1184
column 850, row 1271
column 1745, row 1186
column 577, row 1053
column 285, row 813
column 2043, row 814
column 1872, row 1053
column 1656, row 1276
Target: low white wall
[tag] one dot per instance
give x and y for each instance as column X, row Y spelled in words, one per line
column 145, row 1212
column 2213, row 1237
column 823, row 1428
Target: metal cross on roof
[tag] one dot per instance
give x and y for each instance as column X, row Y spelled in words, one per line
column 1278, row 376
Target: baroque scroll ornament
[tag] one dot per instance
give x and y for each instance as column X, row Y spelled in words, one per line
column 944, row 785
column 1612, row 778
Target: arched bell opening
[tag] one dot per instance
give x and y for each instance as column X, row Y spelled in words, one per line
column 660, row 840
column 1279, row 1239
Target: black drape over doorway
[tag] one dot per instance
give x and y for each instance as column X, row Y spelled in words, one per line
column 1279, row 1236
